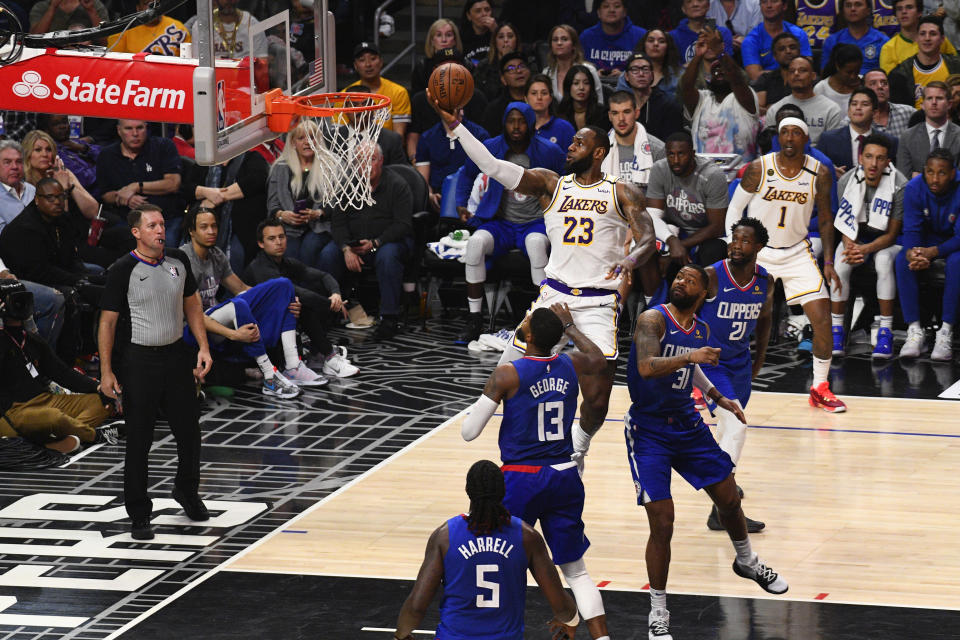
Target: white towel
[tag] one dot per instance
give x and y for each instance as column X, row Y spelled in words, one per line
column 851, row 203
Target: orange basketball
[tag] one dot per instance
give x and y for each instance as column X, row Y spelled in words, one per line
column 452, row 86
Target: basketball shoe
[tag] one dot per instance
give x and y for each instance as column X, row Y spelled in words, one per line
column 916, row 342
column 768, row 579
column 822, row 397
column 839, row 340
column 659, row 625
column 884, row 348
column 713, row 522
column 943, row 346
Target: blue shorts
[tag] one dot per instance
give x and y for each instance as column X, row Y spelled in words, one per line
column 510, row 235
column 734, row 379
column 654, row 448
column 555, row 498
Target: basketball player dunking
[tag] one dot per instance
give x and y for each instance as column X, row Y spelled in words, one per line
column 587, row 215
column 782, row 188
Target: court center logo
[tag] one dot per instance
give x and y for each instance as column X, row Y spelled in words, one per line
column 30, row 84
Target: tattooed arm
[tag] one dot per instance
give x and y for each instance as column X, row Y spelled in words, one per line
column 650, row 364
column 633, row 208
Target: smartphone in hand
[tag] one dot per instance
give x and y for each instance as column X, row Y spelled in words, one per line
column 711, row 24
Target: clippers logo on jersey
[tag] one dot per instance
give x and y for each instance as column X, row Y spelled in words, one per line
column 582, row 204
column 772, row 193
column 739, row 310
column 732, row 314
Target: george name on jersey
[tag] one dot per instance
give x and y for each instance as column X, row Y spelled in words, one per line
column 739, row 310
column 582, row 204
column 786, row 196
column 549, row 384
column 486, row 543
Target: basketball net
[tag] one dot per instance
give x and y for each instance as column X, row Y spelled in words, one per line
column 343, row 133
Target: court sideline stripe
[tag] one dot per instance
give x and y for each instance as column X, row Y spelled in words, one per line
column 287, row 525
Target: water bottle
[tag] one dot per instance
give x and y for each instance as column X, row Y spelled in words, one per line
column 76, row 126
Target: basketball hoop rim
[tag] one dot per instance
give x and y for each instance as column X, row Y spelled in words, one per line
column 281, row 109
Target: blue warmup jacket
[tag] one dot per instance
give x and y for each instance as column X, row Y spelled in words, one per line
column 926, row 215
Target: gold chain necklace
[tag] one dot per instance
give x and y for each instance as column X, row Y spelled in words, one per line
column 229, row 40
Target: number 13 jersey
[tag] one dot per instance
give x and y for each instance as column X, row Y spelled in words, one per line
column 587, row 230
column 785, row 205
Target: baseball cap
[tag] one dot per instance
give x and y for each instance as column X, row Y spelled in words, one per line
column 365, row 47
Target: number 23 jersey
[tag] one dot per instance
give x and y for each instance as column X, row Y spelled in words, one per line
column 785, row 205
column 587, row 230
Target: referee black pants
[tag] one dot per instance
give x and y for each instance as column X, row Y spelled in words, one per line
column 154, row 378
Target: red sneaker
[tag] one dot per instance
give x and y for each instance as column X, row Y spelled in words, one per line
column 822, row 397
column 698, row 400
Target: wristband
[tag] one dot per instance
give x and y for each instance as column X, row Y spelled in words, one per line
column 573, row 621
column 567, row 326
column 141, row 187
column 828, row 262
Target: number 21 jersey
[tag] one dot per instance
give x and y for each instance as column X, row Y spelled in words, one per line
column 732, row 314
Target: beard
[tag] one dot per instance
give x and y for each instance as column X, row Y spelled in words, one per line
column 577, row 167
column 719, row 87
column 681, row 301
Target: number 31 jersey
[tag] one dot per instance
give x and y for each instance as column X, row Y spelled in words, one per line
column 732, row 314
column 537, row 419
column 785, row 205
column 587, row 231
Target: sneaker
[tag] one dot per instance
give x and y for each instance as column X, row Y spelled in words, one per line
column 916, row 343
column 498, row 341
column 304, row 376
column 943, row 346
column 767, row 578
column 107, row 434
column 471, row 330
column 884, row 348
column 279, row 387
column 822, row 397
column 475, row 346
column 698, row 402
column 713, row 523
column 338, row 366
column 839, row 340
column 659, row 625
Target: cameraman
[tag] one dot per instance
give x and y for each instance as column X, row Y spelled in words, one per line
column 27, row 364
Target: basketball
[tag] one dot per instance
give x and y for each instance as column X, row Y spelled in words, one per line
column 451, row 85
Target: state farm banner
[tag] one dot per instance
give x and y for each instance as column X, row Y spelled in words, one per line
column 115, row 85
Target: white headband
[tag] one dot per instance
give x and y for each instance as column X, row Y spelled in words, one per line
column 796, row 122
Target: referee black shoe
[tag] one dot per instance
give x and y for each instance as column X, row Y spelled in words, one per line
column 192, row 505
column 141, row 529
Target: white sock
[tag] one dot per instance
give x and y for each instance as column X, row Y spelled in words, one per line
column 821, row 369
column 266, row 367
column 289, row 341
column 886, row 322
column 745, row 555
column 475, row 304
column 916, row 325
column 658, row 598
column 837, row 319
column 946, row 328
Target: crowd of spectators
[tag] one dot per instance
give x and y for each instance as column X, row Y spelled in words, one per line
column 688, row 91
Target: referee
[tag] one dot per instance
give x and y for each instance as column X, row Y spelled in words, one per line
column 148, row 293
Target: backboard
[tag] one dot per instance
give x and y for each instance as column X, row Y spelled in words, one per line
column 237, row 66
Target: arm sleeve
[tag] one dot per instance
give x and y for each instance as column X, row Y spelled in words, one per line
column 741, row 198
column 660, row 229
column 506, row 173
column 701, row 381
column 477, row 418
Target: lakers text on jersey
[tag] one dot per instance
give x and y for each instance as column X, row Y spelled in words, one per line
column 785, row 205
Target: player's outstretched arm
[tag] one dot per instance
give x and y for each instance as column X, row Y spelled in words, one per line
column 589, row 359
column 743, row 194
column 502, row 383
column 825, row 212
column 531, row 182
column 764, row 325
column 633, row 203
column 428, row 579
column 565, row 618
column 650, row 364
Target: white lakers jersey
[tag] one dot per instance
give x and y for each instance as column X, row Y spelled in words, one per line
column 785, row 205
column 587, row 231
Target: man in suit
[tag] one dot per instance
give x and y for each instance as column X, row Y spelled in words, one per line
column 844, row 144
column 935, row 132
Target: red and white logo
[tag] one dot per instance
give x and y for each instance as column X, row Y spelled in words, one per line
column 31, row 85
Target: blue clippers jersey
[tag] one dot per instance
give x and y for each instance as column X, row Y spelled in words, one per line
column 669, row 395
column 537, row 419
column 484, row 583
column 732, row 314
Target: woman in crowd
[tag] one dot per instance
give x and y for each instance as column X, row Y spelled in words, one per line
column 40, row 160
column 841, row 76
column 540, row 98
column 662, row 51
column 580, row 105
column 565, row 52
column 442, row 34
column 292, row 192
column 79, row 155
column 505, row 39
column 476, row 25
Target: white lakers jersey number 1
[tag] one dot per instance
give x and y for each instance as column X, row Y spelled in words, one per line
column 785, row 205
column 587, row 231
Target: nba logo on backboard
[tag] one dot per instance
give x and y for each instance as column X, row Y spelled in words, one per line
column 221, row 106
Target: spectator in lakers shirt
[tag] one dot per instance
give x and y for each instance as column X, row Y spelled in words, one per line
column 161, row 36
